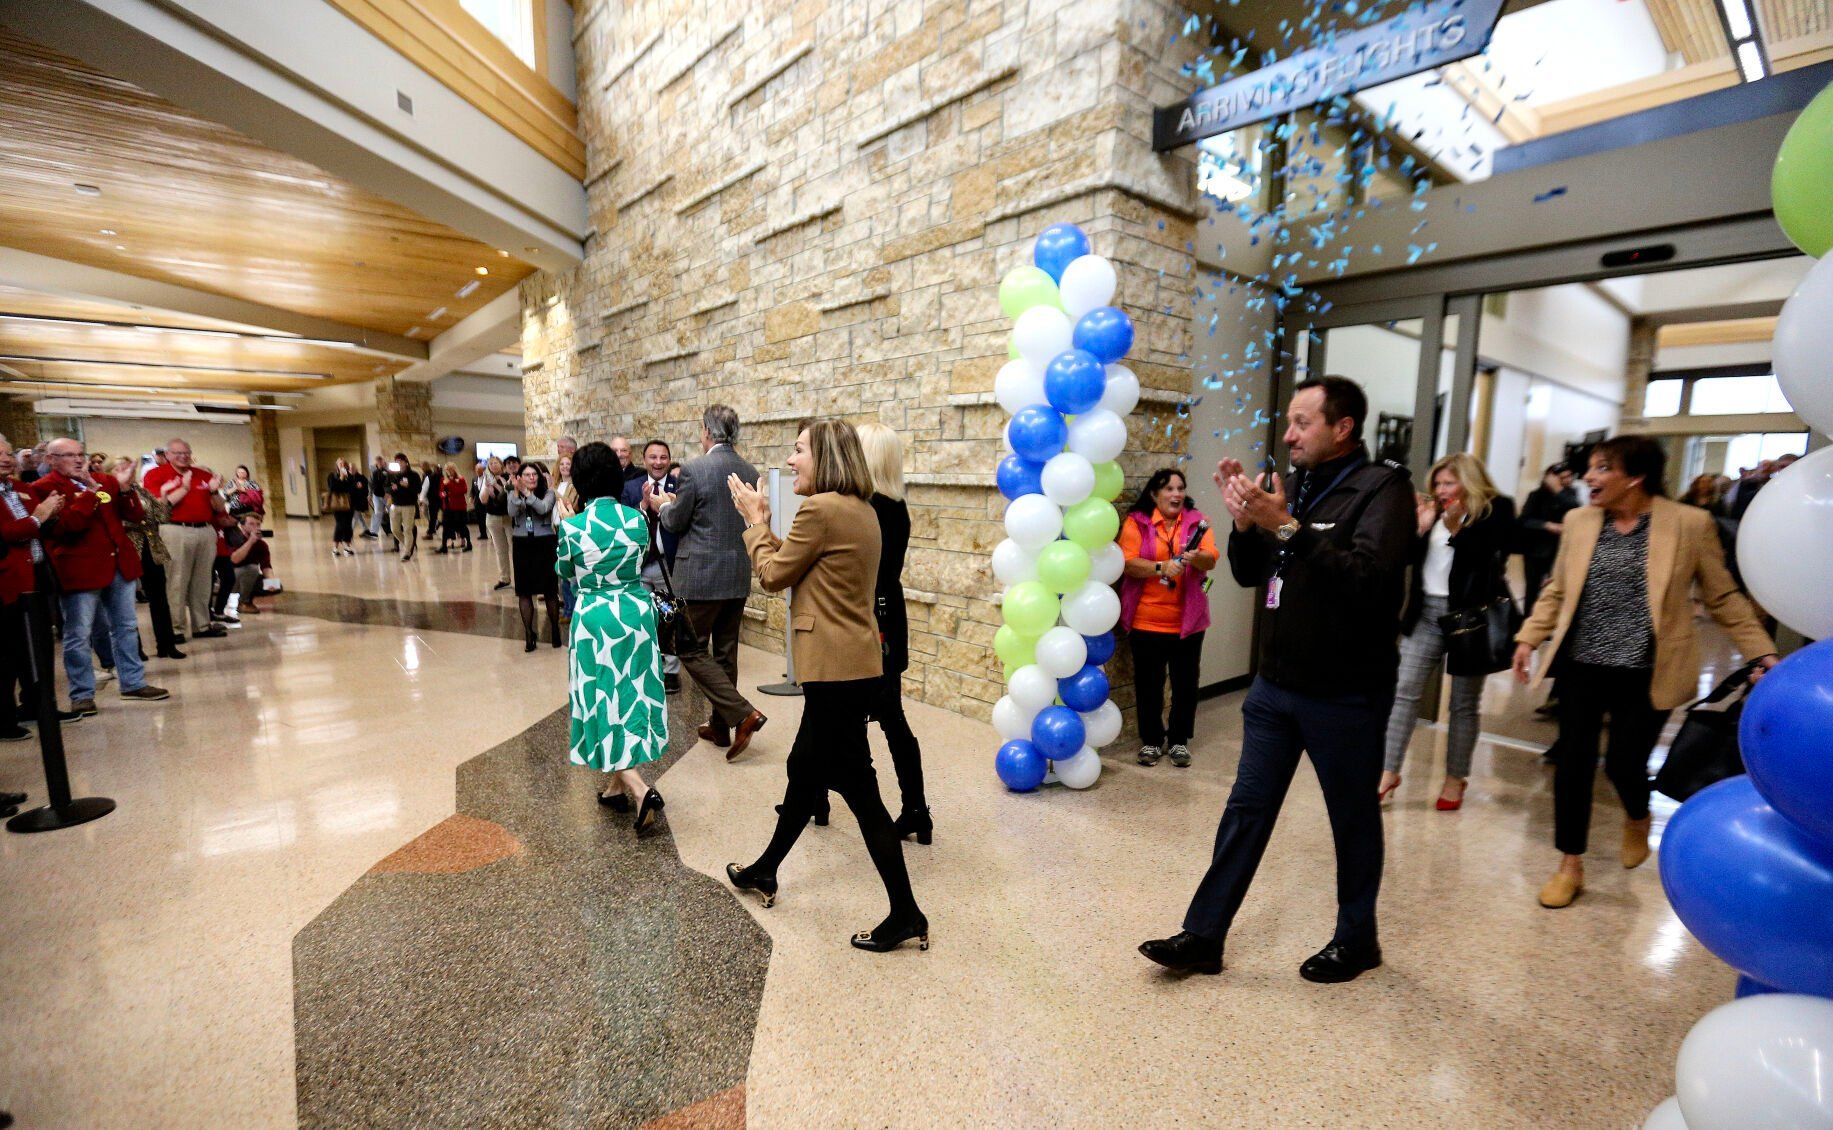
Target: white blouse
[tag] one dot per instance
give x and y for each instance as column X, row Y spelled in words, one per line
column 1437, row 571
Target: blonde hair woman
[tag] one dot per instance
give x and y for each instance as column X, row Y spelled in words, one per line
column 1460, row 558
column 831, row 556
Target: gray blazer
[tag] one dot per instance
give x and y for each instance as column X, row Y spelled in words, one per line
column 531, row 516
column 712, row 563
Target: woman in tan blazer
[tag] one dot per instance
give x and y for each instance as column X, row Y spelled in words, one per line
column 1618, row 610
column 831, row 557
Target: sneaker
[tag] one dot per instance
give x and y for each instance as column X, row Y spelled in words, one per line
column 1180, row 756
column 228, row 619
column 105, row 675
column 499, row 586
column 213, row 632
column 148, row 693
column 367, row 536
column 83, row 707
column 64, row 718
column 15, row 734
column 1149, row 754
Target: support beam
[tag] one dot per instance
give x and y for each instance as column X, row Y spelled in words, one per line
column 493, row 328
column 29, row 271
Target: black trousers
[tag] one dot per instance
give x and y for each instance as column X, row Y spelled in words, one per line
column 831, row 752
column 1586, row 694
column 152, row 582
column 222, row 576
column 1345, row 737
column 455, row 527
column 340, row 526
column 1153, row 654
column 15, row 667
column 1534, row 571
column 906, row 753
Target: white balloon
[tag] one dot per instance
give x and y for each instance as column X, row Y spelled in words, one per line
column 1760, row 1061
column 1108, row 564
column 1785, row 542
column 1080, row 771
column 1091, row 609
column 1033, row 521
column 1005, row 441
column 1068, row 479
column 1087, row 282
column 1013, row 563
column 1804, row 343
column 1032, row 689
column 1061, row 651
column 1102, row 724
column 1097, row 435
column 1020, row 384
column 1012, row 720
column 1667, row 1116
column 1041, row 333
column 1122, row 393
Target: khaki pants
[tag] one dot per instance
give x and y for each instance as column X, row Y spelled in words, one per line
column 401, row 525
column 193, row 551
column 498, row 525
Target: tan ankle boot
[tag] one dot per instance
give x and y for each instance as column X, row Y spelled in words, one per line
column 1635, row 842
column 1561, row 889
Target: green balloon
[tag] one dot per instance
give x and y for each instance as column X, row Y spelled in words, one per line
column 1014, row 650
column 1025, row 287
column 1012, row 353
column 1109, row 481
column 1029, row 609
column 1063, row 566
column 1091, row 524
column 1801, row 185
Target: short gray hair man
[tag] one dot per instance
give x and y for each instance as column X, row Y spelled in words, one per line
column 721, row 424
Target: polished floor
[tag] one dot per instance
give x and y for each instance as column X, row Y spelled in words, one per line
column 353, row 882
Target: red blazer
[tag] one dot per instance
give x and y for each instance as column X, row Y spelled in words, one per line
column 455, row 493
column 16, row 534
column 86, row 541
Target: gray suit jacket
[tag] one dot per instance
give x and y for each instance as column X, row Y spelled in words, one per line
column 711, row 563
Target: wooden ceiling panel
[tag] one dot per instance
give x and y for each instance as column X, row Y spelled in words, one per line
column 14, row 300
column 158, row 378
column 1690, row 27
column 194, row 203
column 1793, row 19
column 128, row 347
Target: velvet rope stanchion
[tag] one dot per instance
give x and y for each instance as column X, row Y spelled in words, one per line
column 62, row 812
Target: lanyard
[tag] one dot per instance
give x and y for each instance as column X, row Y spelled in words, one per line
column 1309, row 503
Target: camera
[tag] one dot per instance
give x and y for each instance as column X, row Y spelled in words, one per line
column 395, row 468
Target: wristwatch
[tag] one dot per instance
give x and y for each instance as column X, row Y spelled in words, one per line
column 1285, row 532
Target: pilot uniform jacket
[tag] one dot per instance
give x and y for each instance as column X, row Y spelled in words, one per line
column 1683, row 550
column 86, row 541
column 831, row 557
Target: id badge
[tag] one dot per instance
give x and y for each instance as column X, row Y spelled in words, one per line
column 1273, row 587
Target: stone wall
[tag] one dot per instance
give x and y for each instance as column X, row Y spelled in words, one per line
column 18, row 422
column 404, row 411
column 270, row 467
column 805, row 208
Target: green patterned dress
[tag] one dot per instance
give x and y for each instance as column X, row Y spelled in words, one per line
column 620, row 713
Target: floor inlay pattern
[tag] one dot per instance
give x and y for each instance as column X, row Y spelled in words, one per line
column 588, row 979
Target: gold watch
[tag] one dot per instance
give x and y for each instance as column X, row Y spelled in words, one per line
column 1286, row 531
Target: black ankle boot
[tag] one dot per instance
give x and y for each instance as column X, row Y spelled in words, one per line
column 821, row 814
column 915, row 821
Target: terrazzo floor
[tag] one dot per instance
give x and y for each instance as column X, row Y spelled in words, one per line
column 479, row 959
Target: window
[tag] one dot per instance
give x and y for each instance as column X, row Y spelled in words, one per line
column 1662, row 398
column 1727, row 396
column 512, row 21
column 1229, row 165
column 1749, row 450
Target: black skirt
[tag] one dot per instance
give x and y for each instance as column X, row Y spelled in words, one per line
column 533, row 557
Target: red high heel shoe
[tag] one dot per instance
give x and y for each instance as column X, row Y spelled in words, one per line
column 1382, row 794
column 1444, row 805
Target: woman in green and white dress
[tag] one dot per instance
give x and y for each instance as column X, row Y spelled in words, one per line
column 620, row 712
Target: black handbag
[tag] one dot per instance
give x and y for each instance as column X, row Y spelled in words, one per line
column 1481, row 641
column 1705, row 751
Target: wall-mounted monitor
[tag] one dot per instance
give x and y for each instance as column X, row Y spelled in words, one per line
column 499, row 450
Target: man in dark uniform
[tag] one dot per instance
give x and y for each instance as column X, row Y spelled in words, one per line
column 1331, row 550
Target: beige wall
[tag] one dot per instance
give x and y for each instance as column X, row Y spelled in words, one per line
column 830, row 242
column 219, row 447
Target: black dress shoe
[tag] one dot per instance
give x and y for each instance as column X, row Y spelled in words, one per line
column 177, row 638
column 915, row 822
column 12, row 799
column 617, row 802
column 671, row 684
column 894, row 932
column 646, row 812
column 170, row 653
column 1185, row 952
column 747, row 880
column 14, row 734
column 1337, row 963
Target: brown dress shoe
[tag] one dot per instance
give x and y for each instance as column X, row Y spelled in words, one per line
column 1560, row 890
column 742, row 736
column 715, row 733
column 1635, row 842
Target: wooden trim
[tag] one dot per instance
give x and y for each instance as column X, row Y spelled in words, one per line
column 446, row 42
column 1643, row 94
column 1803, row 51
column 1517, row 120
column 1738, row 331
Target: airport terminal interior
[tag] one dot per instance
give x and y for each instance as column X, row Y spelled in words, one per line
column 379, row 365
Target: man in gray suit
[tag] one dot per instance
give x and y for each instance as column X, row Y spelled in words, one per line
column 712, row 576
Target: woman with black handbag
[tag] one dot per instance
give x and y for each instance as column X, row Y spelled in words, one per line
column 1459, row 586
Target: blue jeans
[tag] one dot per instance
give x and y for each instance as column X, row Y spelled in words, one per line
column 1344, row 737
column 113, row 605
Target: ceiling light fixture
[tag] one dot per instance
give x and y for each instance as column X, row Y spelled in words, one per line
column 87, row 386
column 311, row 341
column 1737, row 18
column 436, row 315
column 280, row 373
column 465, row 290
column 1750, row 61
column 118, row 247
column 186, row 330
column 1744, row 38
column 503, row 253
column 483, row 270
column 108, row 231
column 50, row 321
column 87, row 190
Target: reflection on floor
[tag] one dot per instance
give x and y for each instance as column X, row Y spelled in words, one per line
column 529, row 951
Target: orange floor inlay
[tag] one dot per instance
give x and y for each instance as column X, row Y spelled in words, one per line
column 457, row 843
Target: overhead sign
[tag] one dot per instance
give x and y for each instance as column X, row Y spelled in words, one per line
column 1424, row 36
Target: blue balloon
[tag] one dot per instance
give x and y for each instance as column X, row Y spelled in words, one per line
column 1019, row 477
column 1058, row 733
column 1100, row 648
column 1753, row 888
column 1785, row 735
column 1037, row 433
column 1105, row 332
column 1057, row 246
column 1074, row 381
column 1749, row 986
column 1085, row 690
column 1020, row 766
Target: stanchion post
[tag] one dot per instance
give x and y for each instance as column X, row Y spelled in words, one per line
column 62, row 812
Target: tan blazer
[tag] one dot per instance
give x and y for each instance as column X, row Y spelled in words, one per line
column 831, row 557
column 1683, row 550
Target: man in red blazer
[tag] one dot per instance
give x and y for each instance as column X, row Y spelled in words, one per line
column 20, row 555
column 96, row 566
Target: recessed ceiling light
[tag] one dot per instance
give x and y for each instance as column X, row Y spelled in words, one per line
column 119, row 247
column 1750, row 62
column 503, row 253
column 50, row 321
column 483, row 270
column 436, row 315
column 465, row 290
column 87, row 190
column 108, row 231
column 312, row 341
column 414, row 332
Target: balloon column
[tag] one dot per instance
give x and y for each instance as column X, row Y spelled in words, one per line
column 1069, row 398
column 1748, row 863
